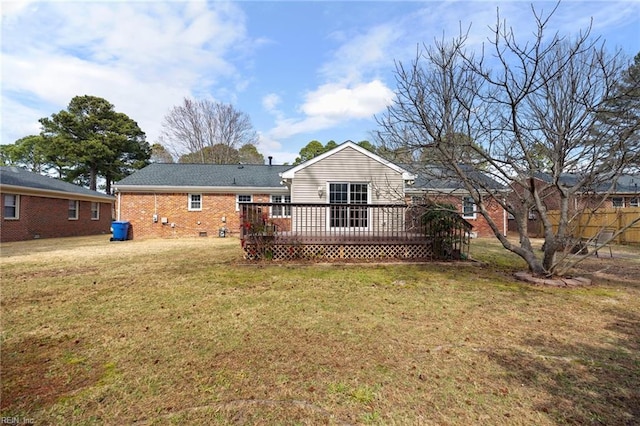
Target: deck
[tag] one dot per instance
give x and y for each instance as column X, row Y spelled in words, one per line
column 347, row 231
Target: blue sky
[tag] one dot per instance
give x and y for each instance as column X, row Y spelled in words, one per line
column 301, row 70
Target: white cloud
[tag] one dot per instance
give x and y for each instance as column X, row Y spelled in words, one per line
column 333, row 104
column 143, row 57
column 270, row 102
column 364, row 54
column 337, row 102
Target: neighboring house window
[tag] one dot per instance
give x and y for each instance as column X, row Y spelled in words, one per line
column 348, row 193
column 468, row 208
column 95, row 211
column 73, row 209
column 617, row 201
column 281, row 211
column 634, row 202
column 242, row 199
column 417, row 200
column 195, row 202
column 11, row 206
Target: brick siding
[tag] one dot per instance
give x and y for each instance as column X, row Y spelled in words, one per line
column 218, row 211
column 480, row 225
column 43, row 217
column 139, row 208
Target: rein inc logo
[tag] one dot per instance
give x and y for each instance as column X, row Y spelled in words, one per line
column 17, row 421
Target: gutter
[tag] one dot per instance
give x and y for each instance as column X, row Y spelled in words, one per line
column 24, row 190
column 202, row 189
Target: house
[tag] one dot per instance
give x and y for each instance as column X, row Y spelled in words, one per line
column 37, row 206
column 600, row 195
column 346, row 194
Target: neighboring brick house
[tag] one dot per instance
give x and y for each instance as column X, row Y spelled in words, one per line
column 178, row 200
column 623, row 194
column 37, row 206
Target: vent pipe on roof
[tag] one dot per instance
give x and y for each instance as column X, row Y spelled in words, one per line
column 270, row 159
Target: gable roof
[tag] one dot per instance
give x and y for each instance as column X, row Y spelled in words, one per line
column 20, row 181
column 289, row 174
column 204, row 178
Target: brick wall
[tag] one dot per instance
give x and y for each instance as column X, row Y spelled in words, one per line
column 42, row 217
column 480, row 224
column 139, row 209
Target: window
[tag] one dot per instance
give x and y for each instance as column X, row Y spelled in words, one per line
column 617, row 201
column 11, row 206
column 195, row 202
column 348, row 216
column 73, row 209
column 95, row 211
column 242, row 199
column 468, row 208
column 281, row 211
column 417, row 200
column 634, row 202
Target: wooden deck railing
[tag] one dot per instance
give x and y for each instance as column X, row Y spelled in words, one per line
column 342, row 223
column 265, row 225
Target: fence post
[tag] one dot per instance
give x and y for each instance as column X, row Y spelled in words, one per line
column 619, row 225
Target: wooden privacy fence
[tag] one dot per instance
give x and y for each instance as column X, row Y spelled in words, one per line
column 588, row 224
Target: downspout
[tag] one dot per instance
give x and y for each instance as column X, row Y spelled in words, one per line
column 504, row 219
column 118, row 211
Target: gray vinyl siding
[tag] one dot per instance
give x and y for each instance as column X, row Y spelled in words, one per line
column 347, row 165
column 385, row 186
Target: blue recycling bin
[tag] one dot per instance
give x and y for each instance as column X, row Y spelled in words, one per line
column 120, row 230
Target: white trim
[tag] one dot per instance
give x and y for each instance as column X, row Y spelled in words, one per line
column 16, row 206
column 290, row 174
column 619, row 198
column 190, row 202
column 238, row 200
column 201, row 189
column 98, row 210
column 77, row 209
column 474, row 215
column 25, row 190
column 328, row 226
column 283, row 206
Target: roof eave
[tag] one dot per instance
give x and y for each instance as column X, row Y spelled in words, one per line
column 235, row 189
column 50, row 193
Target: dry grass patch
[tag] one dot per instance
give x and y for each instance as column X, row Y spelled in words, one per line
column 180, row 331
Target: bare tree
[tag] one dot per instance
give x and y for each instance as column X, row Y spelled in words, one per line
column 528, row 114
column 196, row 127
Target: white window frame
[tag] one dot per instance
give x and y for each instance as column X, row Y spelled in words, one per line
column 634, row 202
column 244, row 201
column 15, row 206
column 95, row 210
column 284, row 211
column 194, row 205
column 75, row 209
column 465, row 201
column 615, row 200
column 353, row 217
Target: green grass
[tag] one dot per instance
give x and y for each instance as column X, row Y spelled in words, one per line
column 185, row 331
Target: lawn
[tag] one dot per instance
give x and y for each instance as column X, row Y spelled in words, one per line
column 185, row 331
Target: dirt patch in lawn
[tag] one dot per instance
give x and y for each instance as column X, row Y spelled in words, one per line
column 38, row 371
column 623, row 268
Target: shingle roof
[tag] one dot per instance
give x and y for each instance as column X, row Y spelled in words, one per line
column 18, row 177
column 206, row 175
column 439, row 179
column 625, row 184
